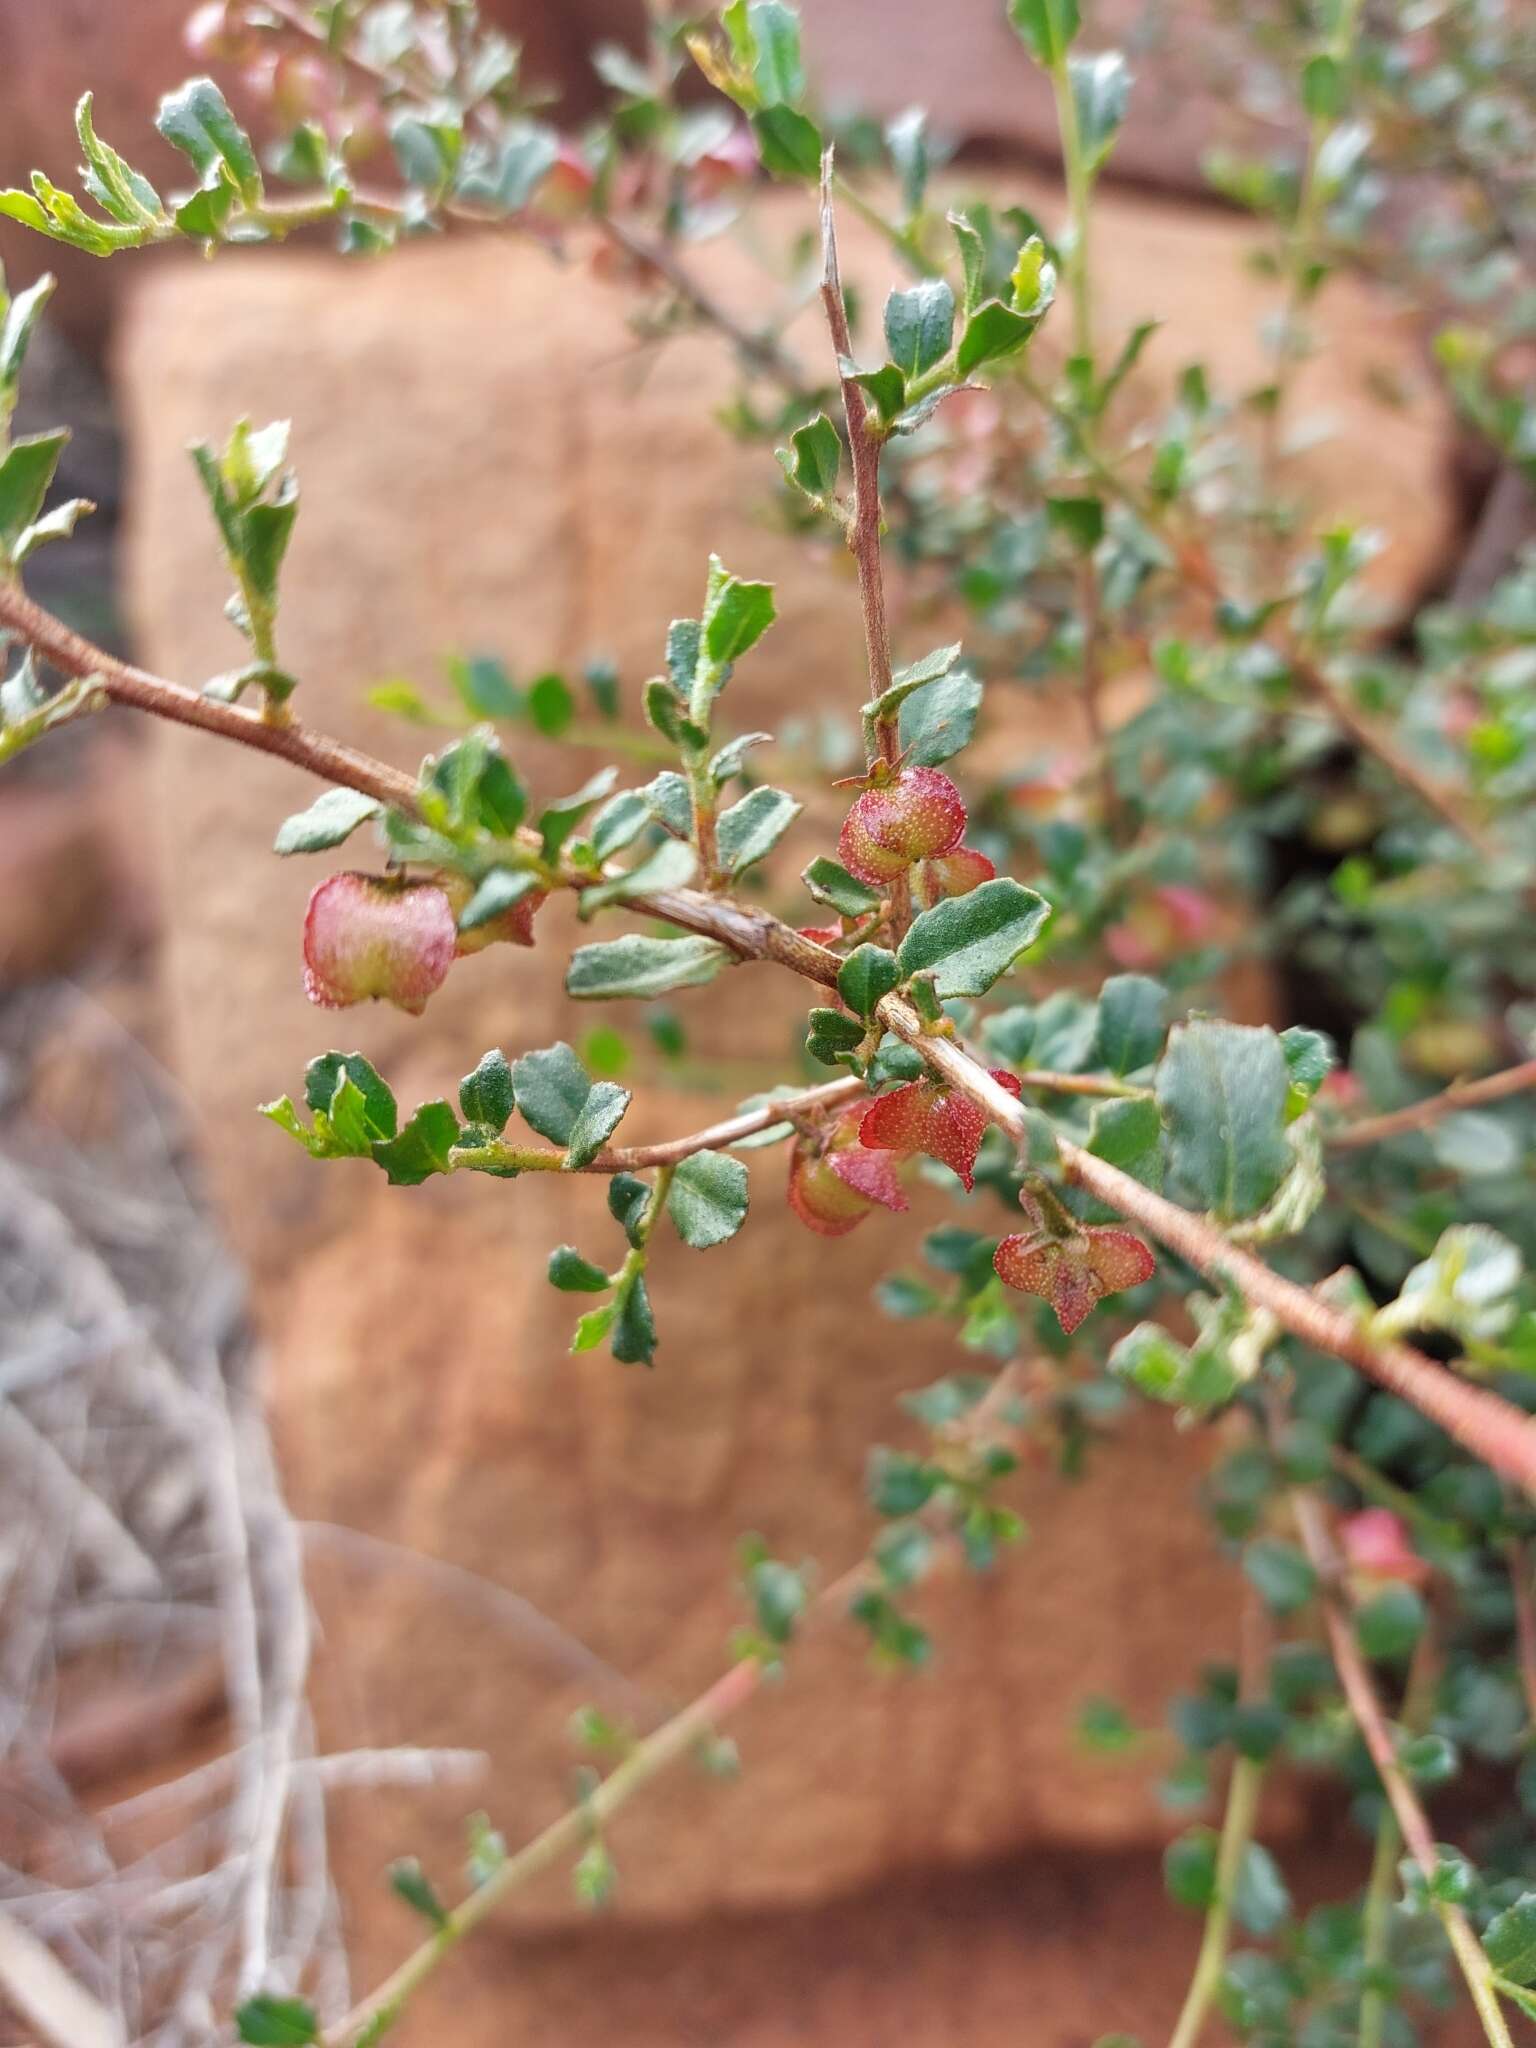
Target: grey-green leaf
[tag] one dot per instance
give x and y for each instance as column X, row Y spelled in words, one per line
column 1133, row 1011
column 551, row 1088
column 330, row 819
column 750, row 829
column 1222, row 1090
column 486, row 1096
column 707, row 1200
column 919, row 325
column 938, row 720
column 600, row 1116
column 637, row 966
column 969, row 942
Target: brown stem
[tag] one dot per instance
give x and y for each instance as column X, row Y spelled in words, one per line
column 763, row 351
column 1492, row 1429
column 1418, row 1116
column 1370, row 1718
column 124, row 684
column 1525, row 1617
column 864, row 441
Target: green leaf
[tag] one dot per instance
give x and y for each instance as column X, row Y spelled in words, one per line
column 1101, row 87
column 496, row 892
column 593, row 1327
column 814, row 457
column 573, row 1274
column 1309, row 1059
column 486, row 1096
column 736, row 614
column 1132, row 1020
column 422, row 1148
column 885, row 387
column 919, row 325
column 528, row 153
column 1324, row 87
column 599, row 1117
column 410, row 1882
column 114, row 184
column 707, row 1200
column 1281, row 1575
column 551, row 706
column 638, row 966
column 777, row 69
column 1129, row 1134
column 619, row 821
column 1046, row 27
column 270, row 2022
column 1222, row 1090
column 1259, row 1899
column 671, row 806
column 830, row 1035
column 868, row 973
column 1509, row 1941
column 973, row 258
column 730, row 760
column 938, row 721
column 322, row 1081
column 196, row 120
column 968, row 942
column 633, row 1336
column 1189, row 1869
column 779, row 1596
column 831, row 883
column 750, row 829
column 1389, row 1624
column 560, row 820
column 916, row 675
column 25, row 475
column 789, row 143
column 18, row 322
column 992, row 331
column 330, row 819
column 551, row 1089
column 1079, row 519
column 672, row 865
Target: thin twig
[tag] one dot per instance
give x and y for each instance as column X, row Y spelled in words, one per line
column 1370, row 1718
column 864, row 442
column 1491, row 1428
column 1419, row 1116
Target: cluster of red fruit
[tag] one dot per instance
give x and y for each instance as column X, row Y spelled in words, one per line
column 381, row 938
column 841, row 1171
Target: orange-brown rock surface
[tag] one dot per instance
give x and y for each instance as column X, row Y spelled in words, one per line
column 487, row 463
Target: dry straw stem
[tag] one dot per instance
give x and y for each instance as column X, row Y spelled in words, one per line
column 1492, row 1429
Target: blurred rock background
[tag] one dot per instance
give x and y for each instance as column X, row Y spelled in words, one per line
column 1011, row 1884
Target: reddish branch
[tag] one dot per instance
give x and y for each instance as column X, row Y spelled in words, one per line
column 1490, row 1428
column 1376, row 1733
column 1418, row 1116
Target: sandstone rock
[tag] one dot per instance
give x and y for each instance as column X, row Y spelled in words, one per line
column 129, row 52
column 488, row 464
